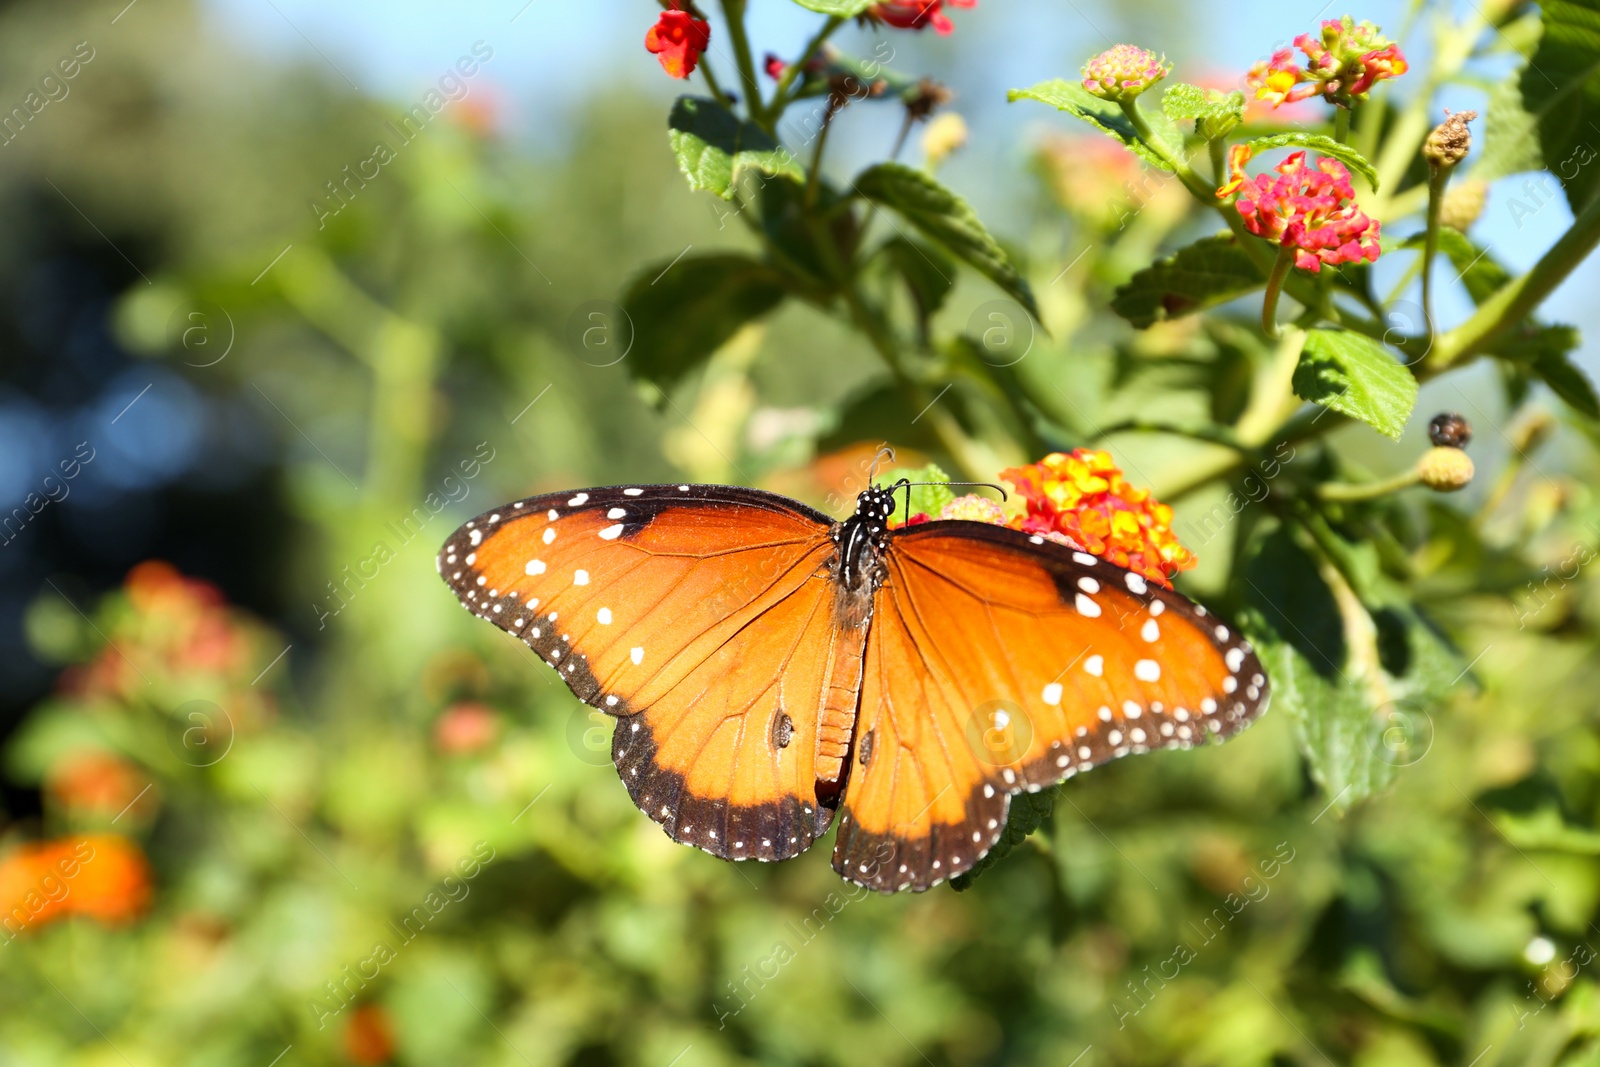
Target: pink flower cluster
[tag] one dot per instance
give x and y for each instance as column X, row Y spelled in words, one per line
column 1311, row 210
column 1123, row 72
column 1342, row 65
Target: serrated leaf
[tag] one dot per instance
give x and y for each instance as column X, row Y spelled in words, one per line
column 844, row 9
column 1211, row 271
column 1352, row 373
column 1103, row 115
column 1561, row 88
column 1510, row 134
column 681, row 312
column 1027, row 812
column 1326, row 146
column 713, row 147
column 1215, row 113
column 946, row 218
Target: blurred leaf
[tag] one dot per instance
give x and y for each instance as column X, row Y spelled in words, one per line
column 1211, row 271
column 1510, row 134
column 878, row 412
column 1479, row 272
column 1326, row 146
column 845, row 9
column 1214, row 111
column 925, row 499
column 1352, row 373
column 946, row 218
column 1027, row 812
column 1553, row 366
column 713, row 147
column 1561, row 87
column 896, row 86
column 1072, row 97
column 928, row 272
column 1544, row 829
column 682, row 312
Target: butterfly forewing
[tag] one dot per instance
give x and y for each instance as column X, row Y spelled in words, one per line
column 701, row 616
column 999, row 662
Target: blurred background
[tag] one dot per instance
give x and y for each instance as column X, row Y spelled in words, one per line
column 307, row 811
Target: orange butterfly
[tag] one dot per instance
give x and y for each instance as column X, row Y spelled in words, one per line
column 768, row 666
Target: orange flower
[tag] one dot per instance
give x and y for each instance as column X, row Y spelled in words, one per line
column 95, row 782
column 1083, row 496
column 102, row 876
column 369, row 1035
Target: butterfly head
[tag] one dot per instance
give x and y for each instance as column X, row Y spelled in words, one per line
column 874, row 507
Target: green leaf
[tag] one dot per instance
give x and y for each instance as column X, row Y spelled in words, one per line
column 683, row 311
column 1027, row 813
column 1480, row 273
column 1072, row 97
column 844, row 9
column 927, row 499
column 946, row 218
column 1326, row 146
column 713, row 147
column 1211, row 271
column 1555, row 368
column 1510, row 134
column 1352, row 373
column 1546, row 831
column 928, row 272
column 1214, row 112
column 1561, row 87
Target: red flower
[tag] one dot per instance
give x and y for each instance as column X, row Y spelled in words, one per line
column 1343, row 63
column 369, row 1035
column 678, row 39
column 917, row 14
column 1311, row 211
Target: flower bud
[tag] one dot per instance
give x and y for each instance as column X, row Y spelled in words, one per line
column 1449, row 430
column 1463, row 203
column 944, row 136
column 1123, row 72
column 1450, row 141
column 1445, row 469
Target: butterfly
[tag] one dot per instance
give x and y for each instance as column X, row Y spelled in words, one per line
column 770, row 668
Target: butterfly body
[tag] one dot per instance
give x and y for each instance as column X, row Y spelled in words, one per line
column 770, row 667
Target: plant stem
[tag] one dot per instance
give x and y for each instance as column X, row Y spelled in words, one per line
column 814, row 175
column 1269, row 304
column 1438, row 177
column 1196, row 185
column 1272, row 392
column 733, row 11
column 716, row 89
column 1351, row 491
column 796, row 71
column 1341, row 124
column 1515, row 301
column 1404, row 138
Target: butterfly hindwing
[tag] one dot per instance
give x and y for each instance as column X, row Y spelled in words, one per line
column 999, row 662
column 700, row 616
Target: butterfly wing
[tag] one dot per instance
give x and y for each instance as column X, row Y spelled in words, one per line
column 700, row 616
column 999, row 662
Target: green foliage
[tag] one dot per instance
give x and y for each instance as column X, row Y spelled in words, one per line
column 1561, row 87
column 714, row 147
column 844, row 9
column 1209, row 272
column 942, row 216
column 1027, row 813
column 1510, row 134
column 1322, row 145
column 1355, row 375
column 684, row 310
column 929, row 491
column 1103, row 115
column 1214, row 112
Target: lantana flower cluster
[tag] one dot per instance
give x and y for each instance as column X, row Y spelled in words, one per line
column 1082, row 495
column 1124, row 71
column 1342, row 65
column 1309, row 209
column 99, row 876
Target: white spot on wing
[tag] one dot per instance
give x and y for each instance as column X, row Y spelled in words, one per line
column 604, row 615
column 1085, row 559
column 580, row 578
column 616, row 513
column 535, row 566
column 611, row 533
column 637, row 655
column 549, row 534
column 1235, row 659
column 633, row 492
column 1136, row 583
column 1052, row 694
column 476, row 537
column 1095, row 665
column 1147, row 670
column 1150, row 631
column 1088, row 585
column 1087, row 607
column 578, row 501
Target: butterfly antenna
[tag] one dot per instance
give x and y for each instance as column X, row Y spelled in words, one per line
column 885, row 455
column 983, row 485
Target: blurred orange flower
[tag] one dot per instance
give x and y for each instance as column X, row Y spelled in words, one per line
column 1083, row 496
column 96, row 782
column 102, row 876
column 369, row 1035
column 465, row 727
